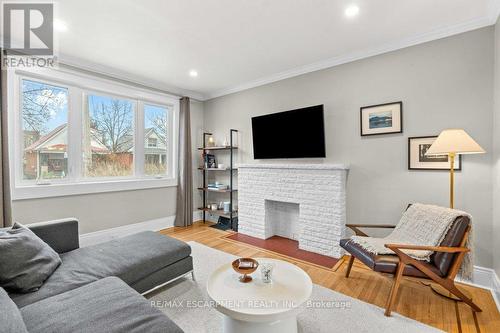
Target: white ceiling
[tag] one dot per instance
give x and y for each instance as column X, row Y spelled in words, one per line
column 237, row 44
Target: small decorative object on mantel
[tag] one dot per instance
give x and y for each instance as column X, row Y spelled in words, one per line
column 245, row 266
column 382, row 119
column 418, row 160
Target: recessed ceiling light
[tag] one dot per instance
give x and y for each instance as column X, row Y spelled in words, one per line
column 193, row 73
column 60, row 26
column 352, row 11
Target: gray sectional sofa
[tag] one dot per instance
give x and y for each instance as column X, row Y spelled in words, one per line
column 97, row 288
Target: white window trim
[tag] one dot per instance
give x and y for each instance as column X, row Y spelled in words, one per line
column 79, row 85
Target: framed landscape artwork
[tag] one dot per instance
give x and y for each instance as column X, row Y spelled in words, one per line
column 382, row 119
column 417, row 160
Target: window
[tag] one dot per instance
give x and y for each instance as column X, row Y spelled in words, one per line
column 108, row 137
column 44, row 127
column 155, row 132
column 152, row 142
column 93, row 134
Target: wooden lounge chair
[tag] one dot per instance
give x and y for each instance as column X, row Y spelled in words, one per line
column 443, row 267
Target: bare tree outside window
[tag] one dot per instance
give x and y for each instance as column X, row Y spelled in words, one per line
column 108, row 137
column 44, row 124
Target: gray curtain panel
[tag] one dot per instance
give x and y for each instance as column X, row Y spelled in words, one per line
column 184, row 212
column 5, row 203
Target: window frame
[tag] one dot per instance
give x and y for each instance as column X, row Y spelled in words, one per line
column 80, row 86
column 18, row 132
column 168, row 145
column 135, row 104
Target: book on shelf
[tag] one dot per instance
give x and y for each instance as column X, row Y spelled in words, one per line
column 217, row 187
column 210, row 161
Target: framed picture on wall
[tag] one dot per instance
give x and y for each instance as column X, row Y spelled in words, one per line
column 417, row 160
column 382, row 119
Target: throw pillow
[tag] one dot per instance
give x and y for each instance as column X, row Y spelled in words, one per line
column 25, row 260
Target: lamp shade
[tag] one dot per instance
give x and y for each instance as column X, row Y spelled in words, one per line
column 454, row 141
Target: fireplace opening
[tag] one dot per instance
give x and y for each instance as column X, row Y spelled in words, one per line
column 282, row 219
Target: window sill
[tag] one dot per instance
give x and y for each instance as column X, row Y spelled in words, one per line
column 24, row 192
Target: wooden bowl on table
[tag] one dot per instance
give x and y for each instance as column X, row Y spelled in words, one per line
column 245, row 266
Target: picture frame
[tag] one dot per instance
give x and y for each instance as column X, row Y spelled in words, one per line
column 418, row 145
column 381, row 119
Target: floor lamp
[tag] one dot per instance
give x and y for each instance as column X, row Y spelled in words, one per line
column 452, row 142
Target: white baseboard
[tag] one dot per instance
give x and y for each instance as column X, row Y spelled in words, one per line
column 496, row 290
column 483, row 277
column 488, row 279
column 197, row 215
column 101, row 236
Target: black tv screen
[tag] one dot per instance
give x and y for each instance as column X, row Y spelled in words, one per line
column 292, row 134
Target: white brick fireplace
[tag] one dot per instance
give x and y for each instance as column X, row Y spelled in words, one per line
column 306, row 202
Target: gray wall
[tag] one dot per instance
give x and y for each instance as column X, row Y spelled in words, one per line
column 108, row 210
column 496, row 162
column 444, row 83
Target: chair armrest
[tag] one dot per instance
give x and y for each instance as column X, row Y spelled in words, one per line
column 427, row 248
column 354, row 227
column 370, row 225
column 61, row 235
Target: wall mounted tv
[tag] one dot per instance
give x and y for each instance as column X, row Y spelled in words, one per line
column 291, row 134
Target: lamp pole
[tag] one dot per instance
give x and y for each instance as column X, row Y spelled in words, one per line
column 452, row 179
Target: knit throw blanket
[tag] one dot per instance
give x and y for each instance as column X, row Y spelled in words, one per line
column 421, row 225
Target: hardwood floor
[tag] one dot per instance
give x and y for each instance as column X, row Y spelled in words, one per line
column 414, row 300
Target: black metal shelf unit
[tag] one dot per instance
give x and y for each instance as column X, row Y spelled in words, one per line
column 204, row 188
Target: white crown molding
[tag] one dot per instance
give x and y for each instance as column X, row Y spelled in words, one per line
column 111, row 73
column 494, row 10
column 354, row 56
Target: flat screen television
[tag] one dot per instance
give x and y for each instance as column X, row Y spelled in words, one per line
column 291, row 134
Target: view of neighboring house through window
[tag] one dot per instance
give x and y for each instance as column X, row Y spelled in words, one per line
column 108, row 144
column 155, row 132
column 89, row 132
column 44, row 125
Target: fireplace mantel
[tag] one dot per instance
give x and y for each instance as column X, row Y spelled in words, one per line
column 318, row 191
column 294, row 166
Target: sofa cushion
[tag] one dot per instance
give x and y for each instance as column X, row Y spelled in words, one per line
column 107, row 305
column 26, row 261
column 130, row 258
column 11, row 320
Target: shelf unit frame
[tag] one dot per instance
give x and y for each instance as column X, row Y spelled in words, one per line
column 232, row 213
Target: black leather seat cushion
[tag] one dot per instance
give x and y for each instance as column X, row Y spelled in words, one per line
column 386, row 263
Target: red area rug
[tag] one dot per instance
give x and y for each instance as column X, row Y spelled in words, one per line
column 285, row 246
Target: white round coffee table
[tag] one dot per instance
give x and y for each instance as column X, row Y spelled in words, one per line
column 257, row 306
